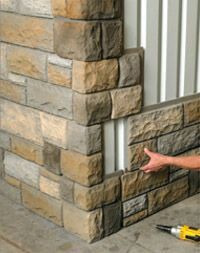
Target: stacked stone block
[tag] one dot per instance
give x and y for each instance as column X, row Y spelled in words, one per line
column 63, row 74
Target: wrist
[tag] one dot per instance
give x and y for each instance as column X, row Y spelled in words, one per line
column 169, row 160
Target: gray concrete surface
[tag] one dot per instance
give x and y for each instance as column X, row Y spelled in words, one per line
column 24, row 232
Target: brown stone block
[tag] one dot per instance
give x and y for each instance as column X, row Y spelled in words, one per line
column 27, row 150
column 86, row 170
column 12, row 181
column 167, row 195
column 48, row 174
column 27, row 31
column 136, row 155
column 112, row 39
column 91, row 109
column 112, row 189
column 134, row 218
column 42, row 204
column 77, row 40
column 58, row 7
column 87, row 225
column 137, row 182
column 25, row 61
column 192, row 112
column 12, row 91
column 94, row 76
column 126, row 101
column 50, row 187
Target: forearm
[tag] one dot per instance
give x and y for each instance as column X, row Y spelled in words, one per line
column 190, row 162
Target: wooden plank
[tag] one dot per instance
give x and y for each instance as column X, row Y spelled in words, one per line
column 150, row 40
column 109, row 147
column 188, row 47
column 131, row 23
column 170, row 49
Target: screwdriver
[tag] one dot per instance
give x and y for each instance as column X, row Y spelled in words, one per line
column 182, row 232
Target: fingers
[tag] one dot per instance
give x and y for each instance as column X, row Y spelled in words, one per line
column 148, row 152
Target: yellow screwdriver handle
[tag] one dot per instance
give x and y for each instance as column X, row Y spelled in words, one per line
column 190, row 233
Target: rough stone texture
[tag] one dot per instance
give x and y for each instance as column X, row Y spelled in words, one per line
column 3, row 59
column 92, row 108
column 54, row 129
column 112, row 218
column 11, row 5
column 27, row 150
column 51, row 155
column 180, row 141
column 1, row 162
column 21, row 169
column 54, row 59
column 12, row 91
column 130, row 69
column 154, row 123
column 136, row 155
column 86, row 170
column 42, row 204
column 134, row 205
column 83, row 42
column 67, row 189
column 98, row 195
column 112, row 38
column 167, row 195
column 50, row 98
column 27, row 31
column 137, row 182
column 194, row 182
column 48, row 174
column 4, row 140
column 59, row 75
column 178, row 174
column 87, row 225
column 12, row 181
column 126, row 101
column 94, row 76
column 58, row 8
column 36, row 7
column 22, row 121
column 50, row 187
column 10, row 192
column 134, row 218
column 17, row 79
column 93, row 9
column 192, row 112
column 25, row 61
column 85, row 140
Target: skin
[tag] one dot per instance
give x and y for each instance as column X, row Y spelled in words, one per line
column 158, row 161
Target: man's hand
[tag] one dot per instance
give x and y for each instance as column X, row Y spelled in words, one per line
column 157, row 161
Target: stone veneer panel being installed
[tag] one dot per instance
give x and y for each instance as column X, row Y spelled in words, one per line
column 60, row 80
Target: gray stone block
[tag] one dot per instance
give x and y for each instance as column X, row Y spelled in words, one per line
column 36, row 7
column 134, row 205
column 194, row 182
column 4, row 140
column 67, row 189
column 1, row 162
column 180, row 141
column 85, row 140
column 50, row 98
column 112, row 38
column 130, row 69
column 10, row 192
column 112, row 218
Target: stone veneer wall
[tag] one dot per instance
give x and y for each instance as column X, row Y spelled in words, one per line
column 63, row 74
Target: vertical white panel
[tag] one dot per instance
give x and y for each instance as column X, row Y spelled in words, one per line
column 170, row 49
column 131, row 23
column 121, row 144
column 188, row 47
column 109, row 147
column 151, row 42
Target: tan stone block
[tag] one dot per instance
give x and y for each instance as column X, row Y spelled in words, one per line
column 42, row 204
column 94, row 76
column 22, row 121
column 126, row 101
column 86, row 170
column 87, row 225
column 49, row 187
column 27, row 31
column 134, row 218
column 54, row 129
column 12, row 91
column 12, row 181
column 27, row 62
column 59, row 75
column 112, row 189
column 48, row 174
column 58, row 7
column 167, row 195
column 27, row 150
column 192, row 112
column 137, row 182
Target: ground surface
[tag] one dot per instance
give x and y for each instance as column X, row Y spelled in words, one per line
column 24, row 232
